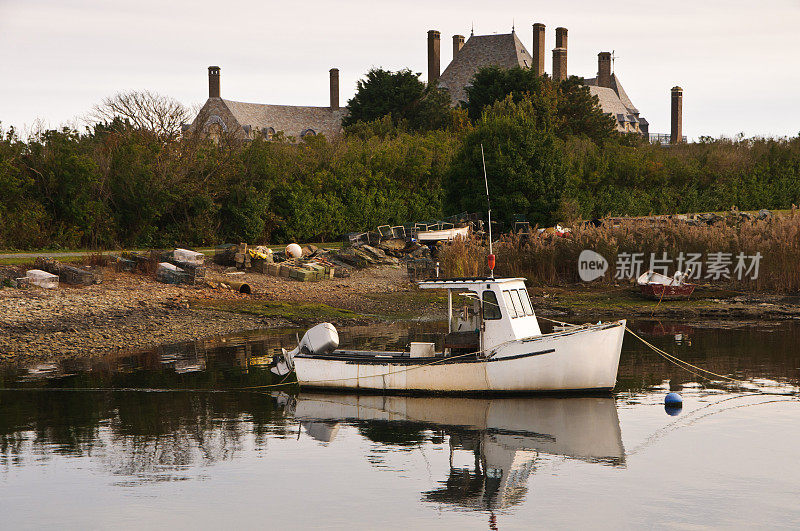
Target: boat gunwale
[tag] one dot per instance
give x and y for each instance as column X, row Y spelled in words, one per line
column 361, row 359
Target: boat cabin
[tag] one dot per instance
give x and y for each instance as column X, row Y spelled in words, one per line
column 494, row 311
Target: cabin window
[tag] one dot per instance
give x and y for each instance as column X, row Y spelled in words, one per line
column 515, row 298
column 491, row 309
column 526, row 301
column 513, row 311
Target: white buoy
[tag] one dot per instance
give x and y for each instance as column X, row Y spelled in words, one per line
column 294, row 250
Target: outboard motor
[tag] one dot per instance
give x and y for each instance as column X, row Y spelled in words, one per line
column 321, row 339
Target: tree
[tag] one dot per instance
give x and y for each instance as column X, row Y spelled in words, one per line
column 525, row 165
column 402, row 96
column 145, row 110
column 579, row 113
column 567, row 106
column 491, row 84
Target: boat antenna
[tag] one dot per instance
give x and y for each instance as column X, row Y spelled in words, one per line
column 489, row 204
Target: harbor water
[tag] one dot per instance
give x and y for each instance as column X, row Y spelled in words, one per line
column 187, row 436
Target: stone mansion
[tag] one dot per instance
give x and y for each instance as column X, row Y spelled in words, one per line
column 251, row 120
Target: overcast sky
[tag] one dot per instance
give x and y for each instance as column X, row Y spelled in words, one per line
column 736, row 60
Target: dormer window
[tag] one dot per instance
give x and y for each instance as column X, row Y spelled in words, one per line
column 307, row 132
column 268, row 133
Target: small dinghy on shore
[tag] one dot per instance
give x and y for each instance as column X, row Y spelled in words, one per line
column 493, row 345
column 661, row 287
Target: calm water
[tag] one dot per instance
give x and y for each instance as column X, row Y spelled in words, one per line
column 218, row 459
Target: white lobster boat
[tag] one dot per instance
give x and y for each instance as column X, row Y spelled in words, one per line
column 493, row 345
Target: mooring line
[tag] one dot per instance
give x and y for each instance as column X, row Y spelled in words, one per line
column 685, row 365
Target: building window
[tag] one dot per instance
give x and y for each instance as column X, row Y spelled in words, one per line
column 268, row 133
column 215, row 120
column 307, row 132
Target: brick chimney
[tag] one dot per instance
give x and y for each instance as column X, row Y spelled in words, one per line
column 458, row 43
column 604, row 69
column 213, row 82
column 559, row 64
column 561, row 38
column 676, row 132
column 538, row 49
column 334, row 88
column 434, row 53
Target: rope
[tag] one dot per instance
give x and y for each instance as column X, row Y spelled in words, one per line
column 677, row 361
column 685, row 365
column 663, row 291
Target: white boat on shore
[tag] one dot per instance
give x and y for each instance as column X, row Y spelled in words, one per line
column 493, row 345
column 443, row 234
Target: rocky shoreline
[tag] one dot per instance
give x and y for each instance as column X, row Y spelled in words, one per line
column 131, row 311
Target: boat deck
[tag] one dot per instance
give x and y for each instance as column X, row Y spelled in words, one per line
column 387, row 357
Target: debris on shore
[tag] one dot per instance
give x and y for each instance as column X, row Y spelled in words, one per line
column 317, row 263
column 66, row 273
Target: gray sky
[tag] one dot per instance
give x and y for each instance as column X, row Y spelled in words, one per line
column 736, row 60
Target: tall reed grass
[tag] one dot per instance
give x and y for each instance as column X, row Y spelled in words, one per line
column 552, row 260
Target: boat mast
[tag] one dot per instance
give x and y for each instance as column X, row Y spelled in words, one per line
column 449, row 311
column 489, row 204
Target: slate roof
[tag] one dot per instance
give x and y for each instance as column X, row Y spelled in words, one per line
column 505, row 51
column 292, row 120
column 616, row 86
column 609, row 101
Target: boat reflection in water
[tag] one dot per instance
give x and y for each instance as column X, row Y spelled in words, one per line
column 504, row 436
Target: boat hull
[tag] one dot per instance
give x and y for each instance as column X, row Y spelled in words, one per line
column 443, row 234
column 664, row 292
column 582, row 358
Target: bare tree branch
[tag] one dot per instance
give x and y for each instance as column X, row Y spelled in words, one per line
column 150, row 111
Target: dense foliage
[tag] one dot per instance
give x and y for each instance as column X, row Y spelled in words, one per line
column 120, row 186
column 524, row 164
column 402, row 96
column 549, row 157
column 567, row 108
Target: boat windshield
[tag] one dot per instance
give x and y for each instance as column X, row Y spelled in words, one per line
column 491, row 308
column 512, row 310
column 526, row 301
